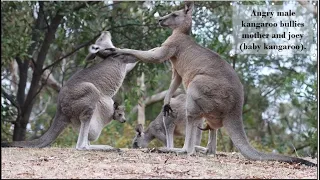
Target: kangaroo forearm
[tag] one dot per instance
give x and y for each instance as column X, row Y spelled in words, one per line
column 145, row 56
column 103, row 54
column 175, row 83
column 162, row 137
column 156, row 55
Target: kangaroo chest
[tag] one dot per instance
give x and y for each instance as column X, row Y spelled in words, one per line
column 184, row 70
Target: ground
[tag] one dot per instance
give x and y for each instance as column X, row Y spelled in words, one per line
column 142, row 163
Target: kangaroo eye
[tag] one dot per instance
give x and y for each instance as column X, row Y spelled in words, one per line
column 120, row 114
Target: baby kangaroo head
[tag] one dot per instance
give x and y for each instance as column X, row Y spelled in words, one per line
column 179, row 20
column 139, row 141
column 119, row 114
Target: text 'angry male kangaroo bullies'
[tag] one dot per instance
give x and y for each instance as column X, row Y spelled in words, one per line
column 85, row 101
column 213, row 88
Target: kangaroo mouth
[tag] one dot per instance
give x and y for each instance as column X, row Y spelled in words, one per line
column 162, row 24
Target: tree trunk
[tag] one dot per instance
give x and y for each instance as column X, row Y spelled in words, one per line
column 20, row 128
column 141, row 104
column 26, row 105
column 13, row 68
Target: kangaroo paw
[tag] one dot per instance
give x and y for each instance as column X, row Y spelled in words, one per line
column 167, row 110
column 201, row 149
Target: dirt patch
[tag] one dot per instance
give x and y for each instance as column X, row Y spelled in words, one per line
column 129, row 163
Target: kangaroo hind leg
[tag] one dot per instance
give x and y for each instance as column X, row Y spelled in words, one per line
column 83, row 138
column 212, row 143
column 192, row 121
column 169, row 128
column 87, row 116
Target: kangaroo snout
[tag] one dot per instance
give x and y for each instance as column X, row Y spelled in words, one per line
column 135, row 145
column 161, row 20
column 94, row 48
column 123, row 120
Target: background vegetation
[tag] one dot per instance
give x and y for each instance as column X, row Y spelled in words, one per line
column 43, row 43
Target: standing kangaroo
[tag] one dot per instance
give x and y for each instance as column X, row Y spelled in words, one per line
column 213, row 89
column 175, row 125
column 85, row 101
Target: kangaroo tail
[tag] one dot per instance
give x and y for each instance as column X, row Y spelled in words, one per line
column 234, row 127
column 60, row 122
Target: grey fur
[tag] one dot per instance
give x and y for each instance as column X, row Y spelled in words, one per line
column 213, row 88
column 175, row 124
column 85, row 101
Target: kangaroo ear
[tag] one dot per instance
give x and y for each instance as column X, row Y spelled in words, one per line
column 188, row 7
column 116, row 105
column 139, row 128
column 121, row 108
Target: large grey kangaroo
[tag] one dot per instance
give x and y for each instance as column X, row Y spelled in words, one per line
column 175, row 125
column 213, row 88
column 85, row 101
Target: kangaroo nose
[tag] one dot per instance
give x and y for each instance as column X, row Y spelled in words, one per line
column 135, row 145
column 160, row 20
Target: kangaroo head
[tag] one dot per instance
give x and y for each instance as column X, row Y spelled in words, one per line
column 119, row 114
column 103, row 42
column 139, row 141
column 179, row 20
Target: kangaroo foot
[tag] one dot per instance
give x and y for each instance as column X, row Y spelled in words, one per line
column 105, row 148
column 172, row 150
column 203, row 150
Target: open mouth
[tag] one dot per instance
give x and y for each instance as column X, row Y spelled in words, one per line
column 162, row 24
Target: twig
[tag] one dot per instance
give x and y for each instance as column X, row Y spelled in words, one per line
column 9, row 121
column 85, row 44
column 70, row 53
column 10, row 98
column 295, row 150
column 43, row 110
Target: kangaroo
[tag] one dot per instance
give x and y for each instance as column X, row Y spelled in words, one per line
column 175, row 125
column 85, row 101
column 213, row 89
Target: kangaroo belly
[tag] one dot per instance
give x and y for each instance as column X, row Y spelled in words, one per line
column 96, row 126
column 105, row 109
column 94, row 132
